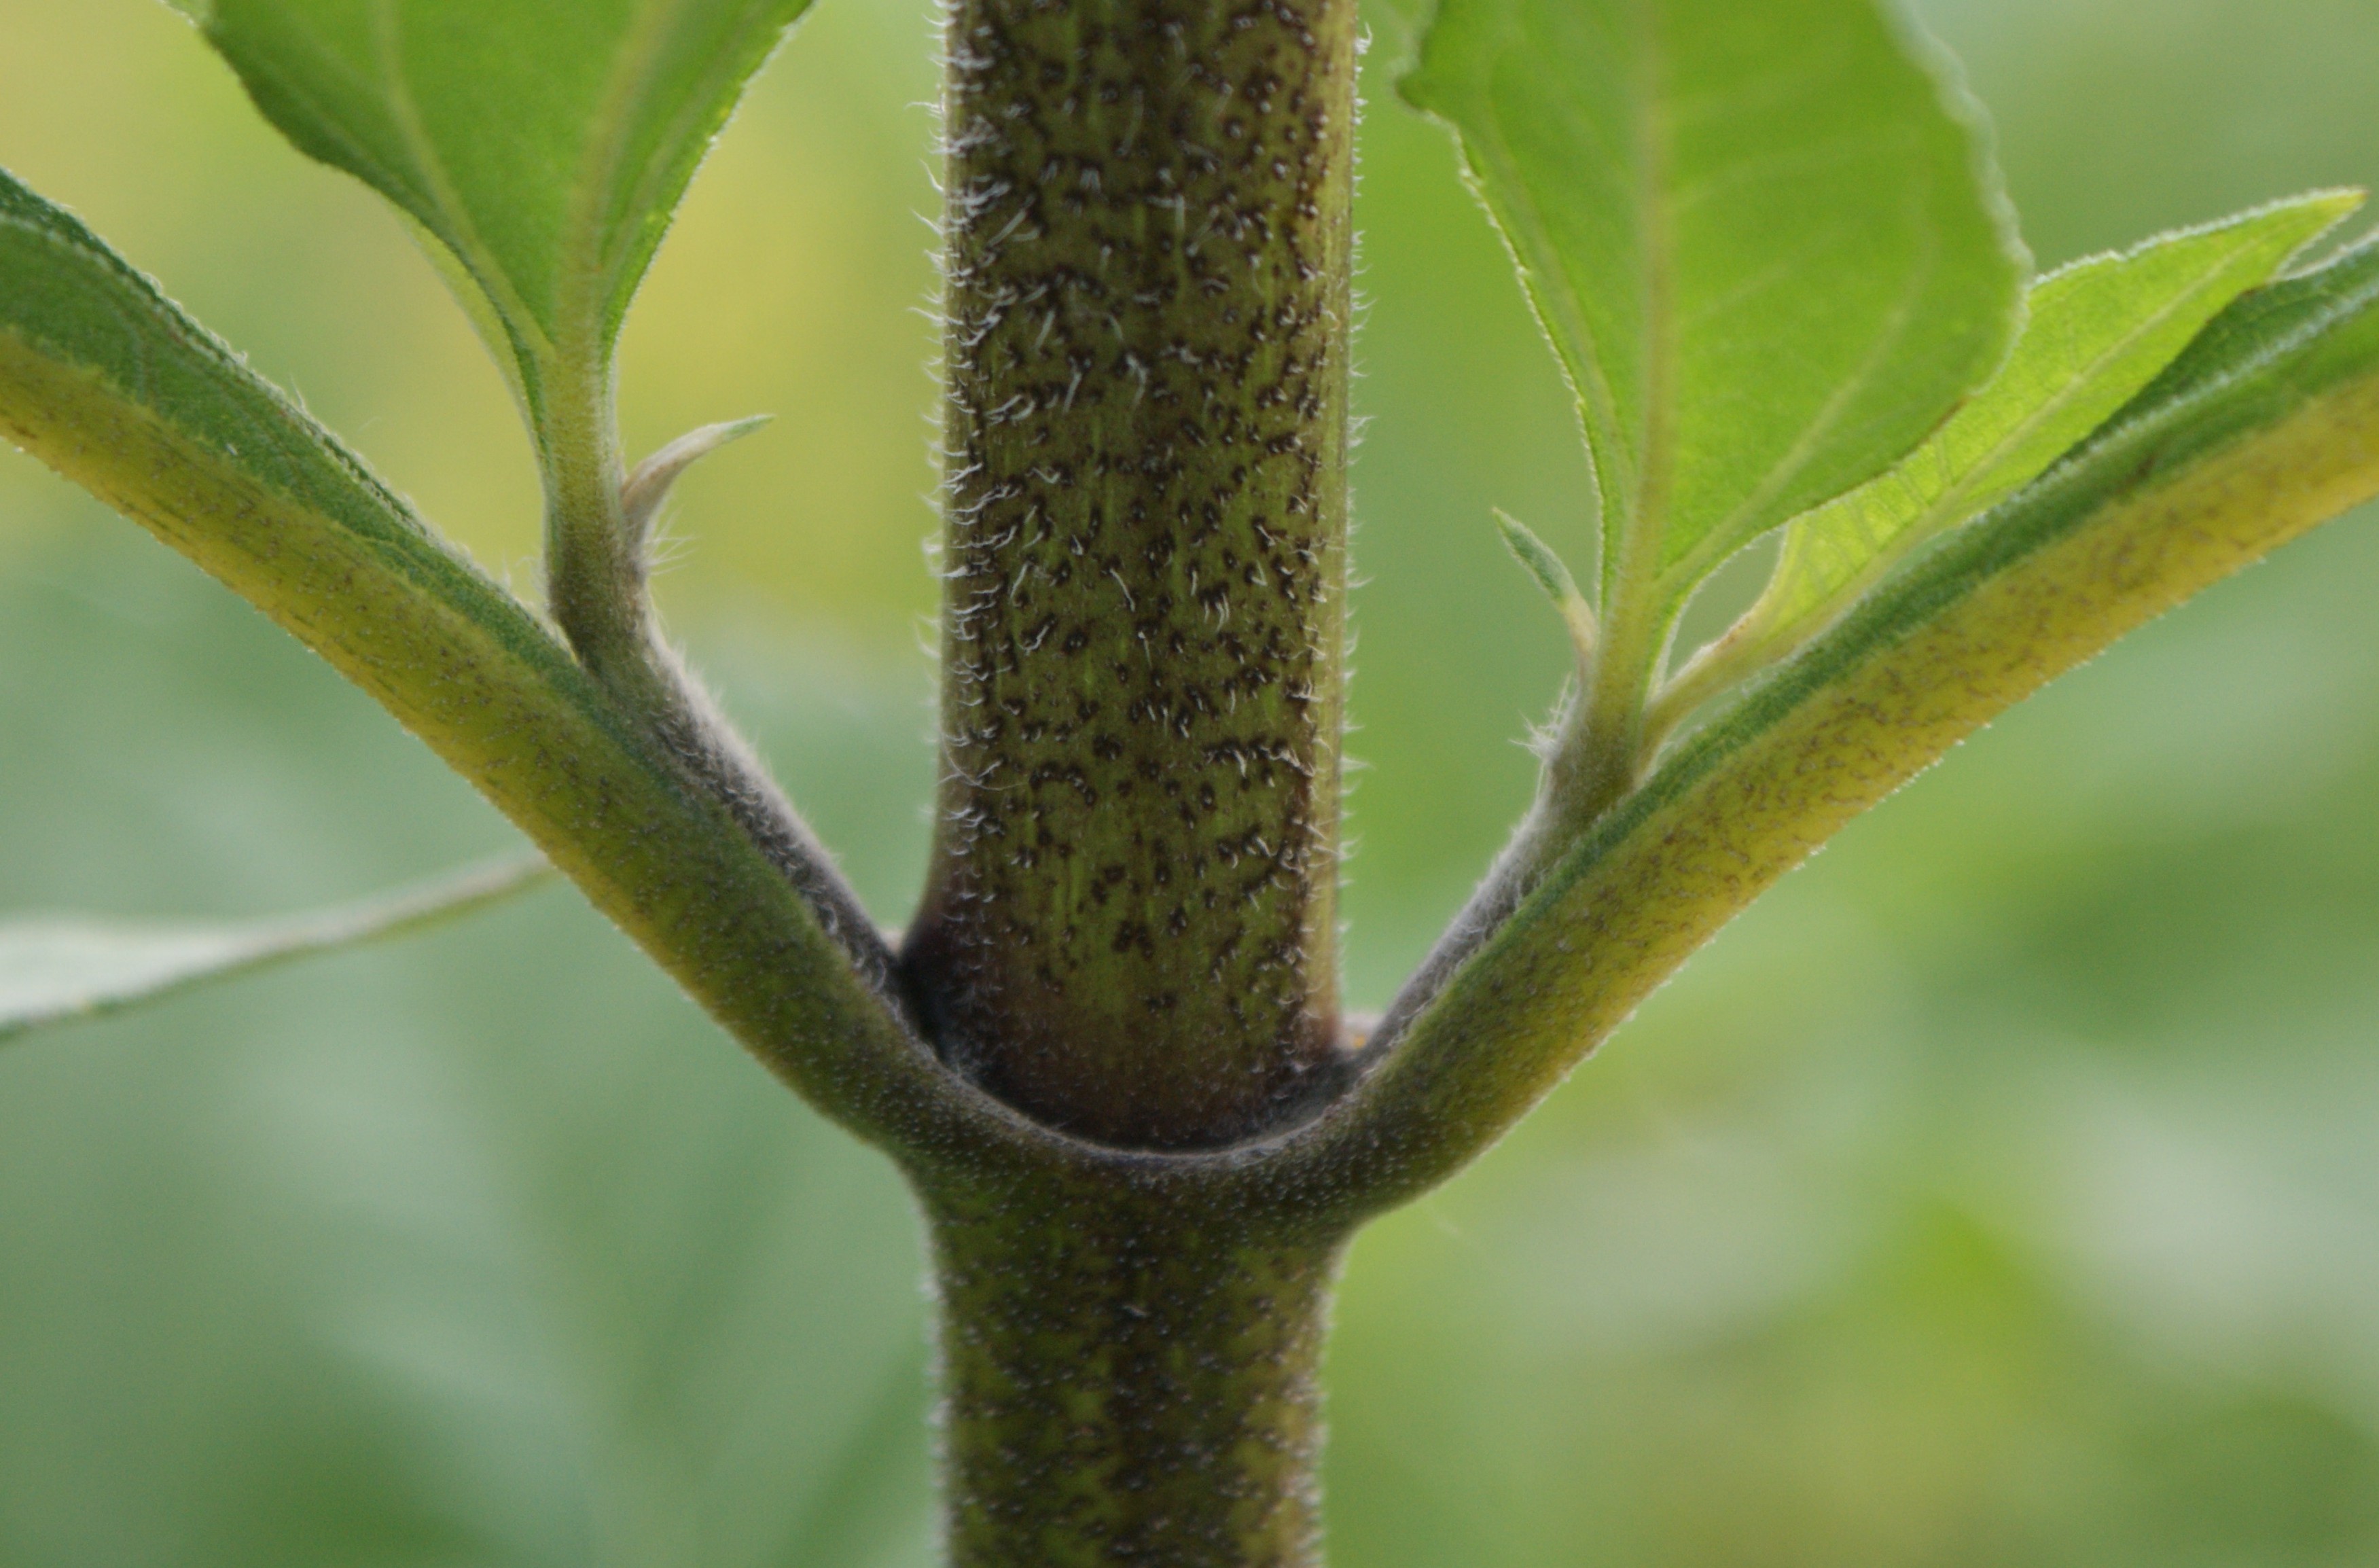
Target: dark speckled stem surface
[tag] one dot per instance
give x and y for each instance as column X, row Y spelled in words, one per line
column 1127, row 1379
column 1129, row 931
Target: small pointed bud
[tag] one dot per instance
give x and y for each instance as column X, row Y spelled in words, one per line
column 646, row 488
column 1538, row 558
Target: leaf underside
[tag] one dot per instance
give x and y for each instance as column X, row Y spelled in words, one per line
column 1762, row 239
column 62, row 969
column 544, row 143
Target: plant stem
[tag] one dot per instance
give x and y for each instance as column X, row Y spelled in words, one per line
column 595, row 581
column 1597, row 756
column 1129, row 927
column 1126, row 1378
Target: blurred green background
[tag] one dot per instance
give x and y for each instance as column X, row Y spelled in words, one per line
column 2002, row 1189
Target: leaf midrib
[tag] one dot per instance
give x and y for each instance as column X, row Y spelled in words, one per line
column 1646, row 527
column 387, row 40
column 1720, row 541
column 591, row 285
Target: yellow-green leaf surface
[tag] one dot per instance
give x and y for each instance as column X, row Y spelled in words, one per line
column 544, row 143
column 2096, row 333
column 1760, row 234
column 2268, row 424
column 107, row 381
column 59, row 969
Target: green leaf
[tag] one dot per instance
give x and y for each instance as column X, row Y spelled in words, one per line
column 57, row 971
column 69, row 304
column 1550, row 573
column 2265, row 427
column 544, row 143
column 2097, row 332
column 105, row 380
column 1761, row 234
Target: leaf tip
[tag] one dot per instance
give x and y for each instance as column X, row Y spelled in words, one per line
column 1538, row 558
column 2325, row 210
column 648, row 486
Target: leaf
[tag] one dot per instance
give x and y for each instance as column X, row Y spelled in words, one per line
column 70, row 305
column 544, row 143
column 490, row 1256
column 650, row 484
column 1761, row 234
column 108, row 383
column 1551, row 575
column 57, row 971
column 2267, row 426
column 2098, row 332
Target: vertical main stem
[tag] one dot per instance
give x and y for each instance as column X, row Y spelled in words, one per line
column 1125, row 1381
column 1129, row 927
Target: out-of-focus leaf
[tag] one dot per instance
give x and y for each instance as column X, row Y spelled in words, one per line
column 2098, row 332
column 478, row 1248
column 544, row 143
column 60, row 970
column 1760, row 233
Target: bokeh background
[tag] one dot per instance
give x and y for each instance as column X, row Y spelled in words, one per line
column 2002, row 1189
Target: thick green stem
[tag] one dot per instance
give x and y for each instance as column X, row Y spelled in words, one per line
column 1129, row 928
column 1127, row 1378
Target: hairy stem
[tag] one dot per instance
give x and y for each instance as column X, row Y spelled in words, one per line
column 1129, row 927
column 598, row 593
column 595, row 578
column 1127, row 1378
